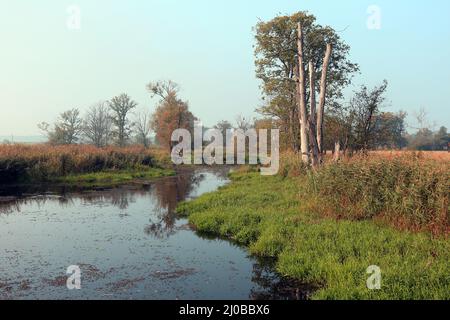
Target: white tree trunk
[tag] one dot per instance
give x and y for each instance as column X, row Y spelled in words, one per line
column 337, row 151
column 322, row 96
column 301, row 94
column 312, row 117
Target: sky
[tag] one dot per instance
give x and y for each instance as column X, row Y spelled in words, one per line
column 49, row 65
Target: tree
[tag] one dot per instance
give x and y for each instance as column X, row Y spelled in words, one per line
column 423, row 140
column 142, row 126
column 301, row 94
column 312, row 124
column 427, row 140
column 223, row 126
column 363, row 111
column 67, row 128
column 338, row 131
column 322, row 97
column 163, row 89
column 97, row 125
column 442, row 139
column 276, row 62
column 171, row 113
column 242, row 123
column 390, row 130
column 120, row 107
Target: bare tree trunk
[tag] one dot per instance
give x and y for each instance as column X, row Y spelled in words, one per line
column 322, row 96
column 301, row 94
column 291, row 124
column 337, row 151
column 312, row 117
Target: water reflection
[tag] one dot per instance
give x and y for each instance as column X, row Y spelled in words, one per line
column 165, row 194
column 168, row 194
column 129, row 243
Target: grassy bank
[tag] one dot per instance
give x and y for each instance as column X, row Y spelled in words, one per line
column 84, row 164
column 114, row 177
column 273, row 217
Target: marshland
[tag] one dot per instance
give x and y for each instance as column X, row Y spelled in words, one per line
column 359, row 208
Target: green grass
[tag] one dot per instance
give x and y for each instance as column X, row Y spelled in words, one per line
column 263, row 213
column 115, row 177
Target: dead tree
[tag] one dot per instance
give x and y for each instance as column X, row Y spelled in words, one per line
column 312, row 118
column 322, row 96
column 301, row 96
column 337, row 151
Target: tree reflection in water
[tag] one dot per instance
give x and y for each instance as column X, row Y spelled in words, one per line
column 168, row 194
column 165, row 194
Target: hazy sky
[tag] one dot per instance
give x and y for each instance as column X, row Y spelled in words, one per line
column 205, row 46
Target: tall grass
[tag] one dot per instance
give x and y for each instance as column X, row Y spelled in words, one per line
column 291, row 164
column 22, row 163
column 408, row 191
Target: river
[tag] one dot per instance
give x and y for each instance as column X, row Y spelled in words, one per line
column 128, row 244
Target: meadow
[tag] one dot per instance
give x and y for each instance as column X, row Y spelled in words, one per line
column 326, row 228
column 43, row 163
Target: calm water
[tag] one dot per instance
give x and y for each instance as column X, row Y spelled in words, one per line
column 128, row 244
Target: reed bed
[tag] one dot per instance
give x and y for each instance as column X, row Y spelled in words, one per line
column 406, row 190
column 43, row 163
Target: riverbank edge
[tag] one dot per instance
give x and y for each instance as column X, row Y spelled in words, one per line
column 263, row 214
column 113, row 177
column 106, row 178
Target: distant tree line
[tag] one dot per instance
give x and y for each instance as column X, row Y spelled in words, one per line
column 118, row 122
column 427, row 140
column 105, row 123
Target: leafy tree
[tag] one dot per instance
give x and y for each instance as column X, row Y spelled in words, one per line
column 363, row 112
column 442, row 139
column 390, row 130
column 171, row 113
column 276, row 54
